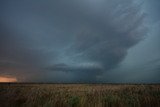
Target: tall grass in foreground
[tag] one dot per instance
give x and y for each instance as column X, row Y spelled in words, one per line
column 79, row 95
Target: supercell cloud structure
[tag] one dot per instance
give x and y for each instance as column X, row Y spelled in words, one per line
column 67, row 41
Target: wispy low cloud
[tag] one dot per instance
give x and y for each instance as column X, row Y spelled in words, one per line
column 84, row 38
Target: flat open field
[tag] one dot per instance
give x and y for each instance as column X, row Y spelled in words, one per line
column 79, row 95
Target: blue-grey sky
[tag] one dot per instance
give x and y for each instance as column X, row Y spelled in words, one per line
column 80, row 40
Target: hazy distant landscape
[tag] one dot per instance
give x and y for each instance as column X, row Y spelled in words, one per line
column 79, row 95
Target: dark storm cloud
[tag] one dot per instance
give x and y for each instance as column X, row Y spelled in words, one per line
column 84, row 38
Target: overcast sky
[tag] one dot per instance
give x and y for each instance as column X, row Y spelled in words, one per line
column 80, row 40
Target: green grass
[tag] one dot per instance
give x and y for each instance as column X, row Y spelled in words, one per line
column 79, row 95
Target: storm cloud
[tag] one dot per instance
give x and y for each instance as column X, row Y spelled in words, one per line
column 68, row 41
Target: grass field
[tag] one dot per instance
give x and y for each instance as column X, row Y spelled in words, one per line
column 79, row 95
